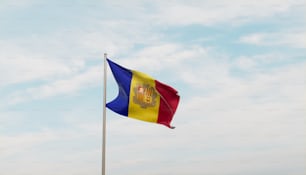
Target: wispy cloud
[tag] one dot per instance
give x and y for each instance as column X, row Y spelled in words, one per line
column 289, row 39
column 21, row 65
column 89, row 78
column 211, row 13
column 12, row 144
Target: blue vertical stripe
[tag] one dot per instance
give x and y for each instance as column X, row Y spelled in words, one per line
column 123, row 78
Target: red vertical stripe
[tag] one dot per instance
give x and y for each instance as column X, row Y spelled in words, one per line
column 168, row 103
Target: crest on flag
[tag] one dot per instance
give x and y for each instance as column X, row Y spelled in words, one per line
column 145, row 95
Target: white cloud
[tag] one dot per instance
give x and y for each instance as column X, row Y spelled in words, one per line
column 253, row 39
column 70, row 85
column 60, row 154
column 290, row 39
column 256, row 63
column 16, row 144
column 10, row 119
column 19, row 65
column 214, row 12
column 9, row 4
column 163, row 56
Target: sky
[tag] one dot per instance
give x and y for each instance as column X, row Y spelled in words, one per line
column 239, row 67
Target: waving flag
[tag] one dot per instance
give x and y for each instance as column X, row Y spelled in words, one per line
column 143, row 98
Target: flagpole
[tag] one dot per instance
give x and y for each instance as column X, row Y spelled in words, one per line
column 104, row 116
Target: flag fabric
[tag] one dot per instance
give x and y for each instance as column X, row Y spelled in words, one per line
column 142, row 97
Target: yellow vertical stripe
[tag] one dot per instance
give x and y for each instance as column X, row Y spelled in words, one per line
column 144, row 100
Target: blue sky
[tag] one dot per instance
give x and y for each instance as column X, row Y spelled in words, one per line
column 238, row 65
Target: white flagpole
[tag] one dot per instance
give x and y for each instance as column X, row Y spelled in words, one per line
column 104, row 116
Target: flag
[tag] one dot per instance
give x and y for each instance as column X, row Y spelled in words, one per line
column 142, row 97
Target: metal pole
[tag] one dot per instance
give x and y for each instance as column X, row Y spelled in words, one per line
column 104, row 116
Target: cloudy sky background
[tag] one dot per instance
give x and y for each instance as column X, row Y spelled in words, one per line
column 239, row 66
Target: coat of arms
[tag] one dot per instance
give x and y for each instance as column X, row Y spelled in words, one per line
column 145, row 95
